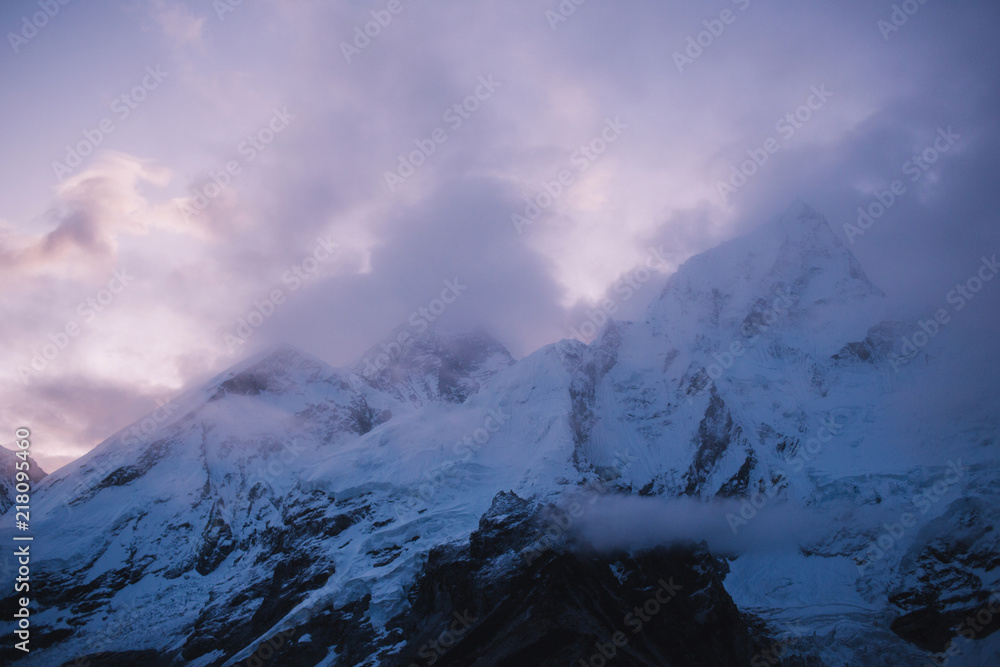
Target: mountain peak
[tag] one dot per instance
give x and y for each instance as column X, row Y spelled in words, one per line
column 8, row 468
column 810, row 246
column 800, row 216
column 433, row 363
column 272, row 369
column 280, row 353
column 797, row 255
column 805, row 229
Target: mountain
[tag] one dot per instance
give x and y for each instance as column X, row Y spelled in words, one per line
column 739, row 478
column 430, row 365
column 682, row 390
column 8, row 471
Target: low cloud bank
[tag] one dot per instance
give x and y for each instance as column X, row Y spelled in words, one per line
column 629, row 522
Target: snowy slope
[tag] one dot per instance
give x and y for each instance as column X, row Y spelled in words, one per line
column 757, row 318
column 285, row 458
column 285, row 490
column 8, row 470
column 763, row 372
column 432, row 365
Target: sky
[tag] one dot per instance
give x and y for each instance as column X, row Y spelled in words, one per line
column 186, row 183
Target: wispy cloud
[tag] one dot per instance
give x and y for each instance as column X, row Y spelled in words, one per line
column 655, row 185
column 179, row 25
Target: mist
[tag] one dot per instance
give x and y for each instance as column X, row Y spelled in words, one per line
column 632, row 523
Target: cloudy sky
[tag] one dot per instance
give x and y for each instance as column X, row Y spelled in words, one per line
column 166, row 166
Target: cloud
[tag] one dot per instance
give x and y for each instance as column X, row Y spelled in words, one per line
column 324, row 176
column 632, row 522
column 91, row 210
column 181, row 27
column 66, row 410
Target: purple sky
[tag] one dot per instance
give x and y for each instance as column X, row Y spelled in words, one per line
column 330, row 121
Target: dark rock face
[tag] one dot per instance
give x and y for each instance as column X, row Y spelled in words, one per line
column 365, row 418
column 588, row 366
column 296, row 558
column 461, row 361
column 109, row 659
column 876, row 347
column 246, row 384
column 947, row 575
column 581, row 393
column 217, row 541
column 717, row 432
column 487, row 605
column 491, row 602
column 739, row 484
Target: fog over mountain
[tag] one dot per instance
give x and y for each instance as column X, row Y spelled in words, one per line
column 499, row 333
column 253, row 157
column 753, row 418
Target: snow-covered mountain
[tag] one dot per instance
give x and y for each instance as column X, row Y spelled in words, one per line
column 425, row 506
column 8, row 470
column 421, row 364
